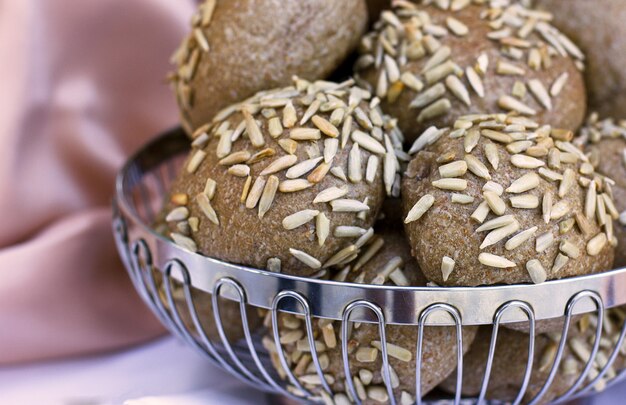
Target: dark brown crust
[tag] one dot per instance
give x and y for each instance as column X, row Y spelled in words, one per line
column 278, row 38
column 447, row 230
column 598, row 28
column 439, row 345
column 611, row 164
column 512, row 353
column 241, row 236
column 508, row 368
column 568, row 108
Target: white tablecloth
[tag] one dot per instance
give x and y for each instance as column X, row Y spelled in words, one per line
column 164, row 372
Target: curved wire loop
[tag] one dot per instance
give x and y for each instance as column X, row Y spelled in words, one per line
column 241, row 294
column 595, row 297
column 423, row 317
column 310, row 339
column 345, row 323
column 142, row 267
column 530, row 314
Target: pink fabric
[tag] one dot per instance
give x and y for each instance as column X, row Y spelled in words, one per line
column 81, row 87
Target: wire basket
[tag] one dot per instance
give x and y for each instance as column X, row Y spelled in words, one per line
column 158, row 267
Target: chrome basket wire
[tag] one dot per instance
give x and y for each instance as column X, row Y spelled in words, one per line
column 140, row 190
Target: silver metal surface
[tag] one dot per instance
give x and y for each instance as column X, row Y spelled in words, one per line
column 140, row 191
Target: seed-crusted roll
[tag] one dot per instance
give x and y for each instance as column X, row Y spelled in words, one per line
column 598, row 28
column 391, row 264
column 606, row 144
column 511, row 355
column 285, row 180
column 500, row 199
column 239, row 47
column 434, row 61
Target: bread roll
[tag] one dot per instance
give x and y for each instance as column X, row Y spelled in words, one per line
column 288, row 179
column 239, row 47
column 392, row 264
column 606, row 144
column 503, row 200
column 598, row 28
column 432, row 63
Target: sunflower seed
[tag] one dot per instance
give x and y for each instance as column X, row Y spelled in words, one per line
column 177, row 214
column 499, row 234
column 525, row 183
column 239, row 170
column 550, row 174
column 506, row 68
column 322, row 227
column 559, row 210
column 491, row 152
column 462, row 198
column 511, row 104
column 596, row 244
column 291, row 186
column 428, row 137
column 411, row 81
column 306, row 259
column 205, row 205
column 305, row 134
column 540, row 93
column 450, row 184
column 520, row 238
column 326, row 127
column 354, row 166
column 496, row 204
column 491, row 260
column 420, row 208
column 330, row 149
column 497, row 136
column 395, row 351
column 560, row 262
column 235, row 158
column 525, row 201
column 428, row 96
column 367, row 142
column 319, row 173
column 436, row 109
column 274, row 127
column 536, row 271
column 347, row 205
column 559, row 84
column 267, row 198
column 253, row 130
column 299, row 218
column 195, row 161
column 329, row 194
column 279, row 164
column 457, row 88
column 184, row 242
column 480, row 214
column 454, row 169
column 475, row 81
column 569, row 249
column 544, row 241
column 496, row 223
column 366, row 354
column 255, row 192
column 526, row 162
column 447, row 267
column 477, row 167
column 302, row 168
column 569, row 179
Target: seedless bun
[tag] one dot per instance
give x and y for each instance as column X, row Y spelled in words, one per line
column 606, row 144
column 239, row 47
column 598, row 28
column 392, row 264
column 289, row 180
column 429, row 65
column 503, row 200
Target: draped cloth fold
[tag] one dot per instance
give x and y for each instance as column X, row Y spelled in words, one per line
column 81, row 87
